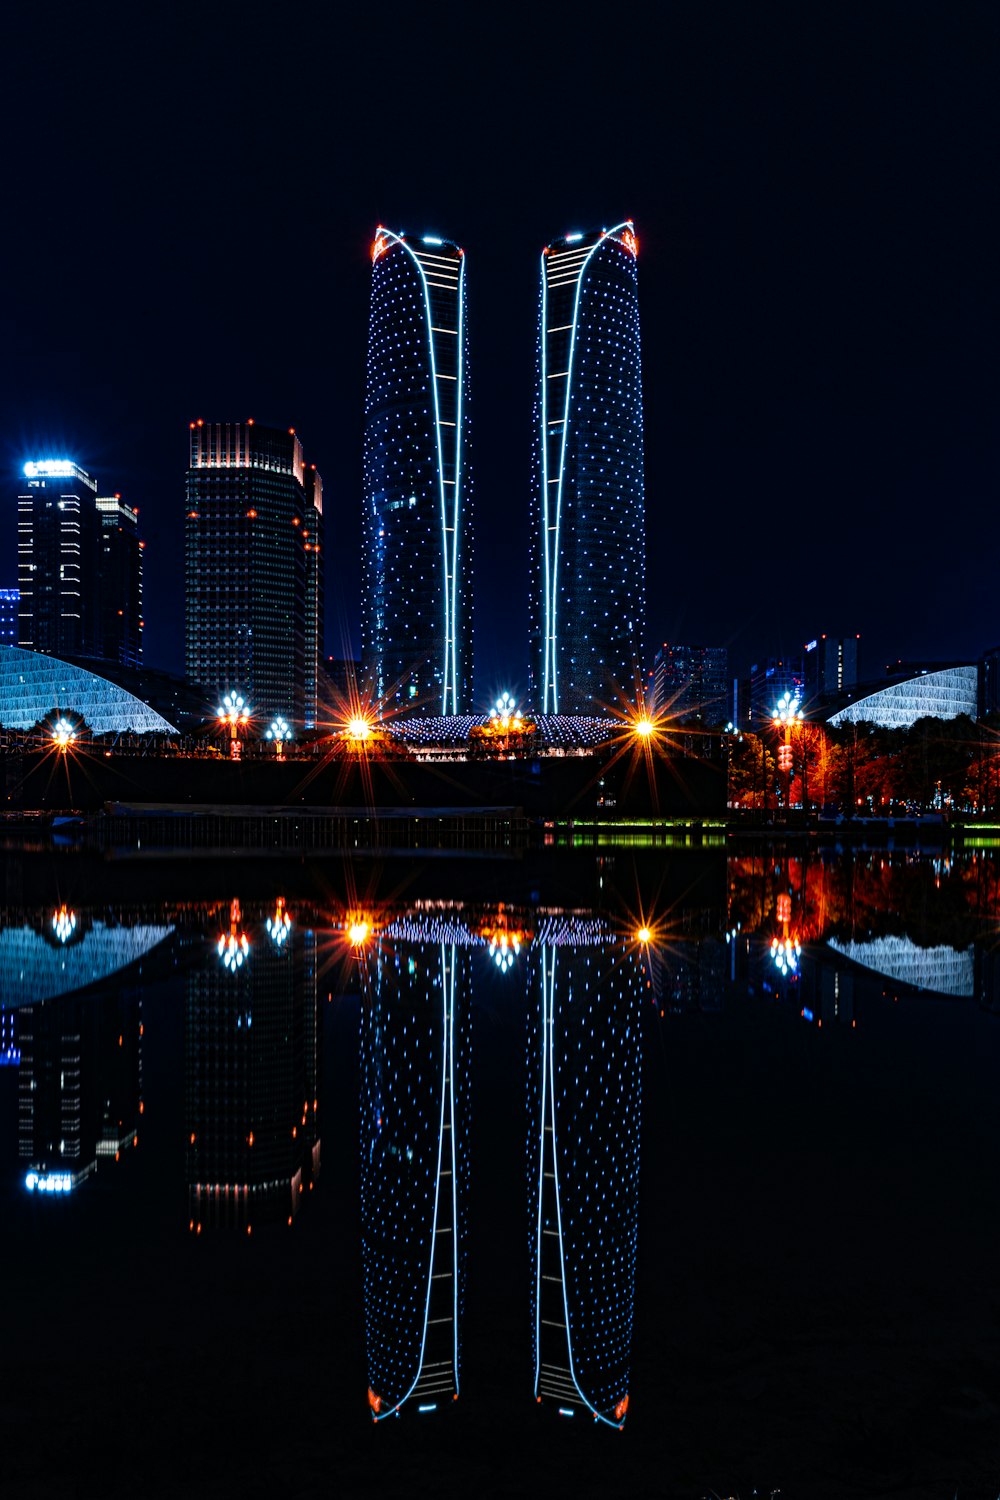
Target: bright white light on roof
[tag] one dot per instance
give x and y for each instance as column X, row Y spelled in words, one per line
column 432, row 239
column 50, row 468
column 571, row 239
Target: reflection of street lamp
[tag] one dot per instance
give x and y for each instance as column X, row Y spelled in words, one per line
column 64, row 924
column 279, row 732
column 279, row 925
column 234, row 713
column 233, row 946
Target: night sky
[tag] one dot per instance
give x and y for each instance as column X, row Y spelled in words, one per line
column 190, row 205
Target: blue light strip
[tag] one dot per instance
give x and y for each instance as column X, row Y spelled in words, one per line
column 458, row 480
column 548, row 986
column 450, row 1023
column 551, row 573
column 450, row 584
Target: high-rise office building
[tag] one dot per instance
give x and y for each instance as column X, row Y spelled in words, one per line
column 770, row 679
column 312, row 533
column 10, row 600
column 246, row 567
column 831, row 666
column 416, row 613
column 588, row 559
column 119, row 590
column 691, row 683
column 57, row 559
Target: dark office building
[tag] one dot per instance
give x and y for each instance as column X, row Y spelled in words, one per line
column 691, row 683
column 587, row 560
column 57, row 560
column 247, row 596
column 416, row 604
column 119, row 587
column 769, row 681
column 9, row 601
column 831, row 666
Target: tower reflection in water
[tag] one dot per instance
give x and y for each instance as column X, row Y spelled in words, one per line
column 416, row 983
column 80, row 1078
column 585, row 990
column 251, row 1071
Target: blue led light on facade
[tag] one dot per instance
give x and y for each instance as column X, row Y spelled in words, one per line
column 416, row 612
column 588, row 506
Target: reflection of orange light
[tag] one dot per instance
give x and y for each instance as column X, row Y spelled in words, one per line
column 621, row 1408
column 644, row 935
column 784, row 907
column 375, row 1402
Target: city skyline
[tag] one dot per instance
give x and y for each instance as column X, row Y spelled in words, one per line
column 819, row 304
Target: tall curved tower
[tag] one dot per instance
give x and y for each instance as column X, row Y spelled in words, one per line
column 588, row 553
column 416, row 621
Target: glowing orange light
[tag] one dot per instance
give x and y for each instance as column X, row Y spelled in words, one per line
column 375, row 1402
column 621, row 1408
column 358, row 932
column 379, row 247
column 643, row 728
column 359, row 729
column 644, row 935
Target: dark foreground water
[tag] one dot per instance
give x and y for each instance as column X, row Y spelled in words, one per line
column 430, row 1177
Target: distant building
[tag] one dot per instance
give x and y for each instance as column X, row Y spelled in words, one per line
column 10, row 1051
column 831, row 666
column 587, row 560
column 9, row 601
column 247, row 572
column 691, row 683
column 769, row 681
column 57, row 559
column 119, row 586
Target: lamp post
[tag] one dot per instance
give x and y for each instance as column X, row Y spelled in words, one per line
column 280, row 733
column 234, row 714
column 787, row 715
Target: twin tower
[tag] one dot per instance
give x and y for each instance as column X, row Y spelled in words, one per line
column 586, row 540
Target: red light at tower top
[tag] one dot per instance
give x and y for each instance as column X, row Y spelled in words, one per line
column 379, row 247
column 630, row 242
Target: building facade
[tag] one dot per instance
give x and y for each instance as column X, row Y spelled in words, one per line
column 587, row 559
column 57, row 559
column 248, row 522
column 770, row 679
column 119, row 586
column 691, row 683
column 10, row 600
column 831, row 666
column 416, row 611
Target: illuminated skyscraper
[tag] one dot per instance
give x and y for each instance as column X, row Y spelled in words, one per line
column 315, row 594
column 416, row 620
column 9, row 601
column 57, row 559
column 414, row 1166
column 248, row 615
column 584, row 1066
column 588, row 558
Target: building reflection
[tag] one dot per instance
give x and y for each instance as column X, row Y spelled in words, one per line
column 416, row 982
column 585, row 990
column 251, row 1067
column 79, row 1087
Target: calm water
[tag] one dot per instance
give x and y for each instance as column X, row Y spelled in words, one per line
column 434, row 1175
